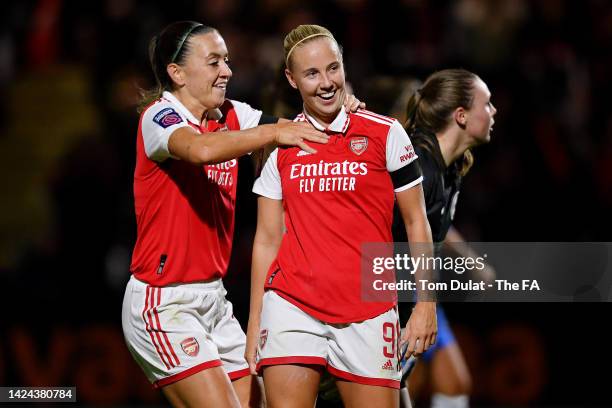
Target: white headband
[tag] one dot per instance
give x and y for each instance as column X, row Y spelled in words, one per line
column 304, row 39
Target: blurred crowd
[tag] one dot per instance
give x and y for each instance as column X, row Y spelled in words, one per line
column 70, row 74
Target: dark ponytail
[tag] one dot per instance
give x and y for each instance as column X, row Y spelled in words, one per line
column 429, row 110
column 171, row 45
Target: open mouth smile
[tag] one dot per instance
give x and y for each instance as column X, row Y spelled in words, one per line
column 327, row 96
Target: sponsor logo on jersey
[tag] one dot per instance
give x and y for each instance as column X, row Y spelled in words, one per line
column 302, row 153
column 221, row 173
column 388, row 366
column 190, row 346
column 167, row 117
column 263, row 337
column 327, row 176
column 359, row 145
column 409, row 155
column 323, row 168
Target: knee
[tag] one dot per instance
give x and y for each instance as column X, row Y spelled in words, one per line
column 464, row 384
column 458, row 384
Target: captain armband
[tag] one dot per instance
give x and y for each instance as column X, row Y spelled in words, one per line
column 406, row 175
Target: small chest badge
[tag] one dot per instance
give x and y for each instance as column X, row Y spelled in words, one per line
column 190, row 346
column 359, row 145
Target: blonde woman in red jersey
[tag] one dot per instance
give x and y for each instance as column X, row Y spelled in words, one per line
column 306, row 311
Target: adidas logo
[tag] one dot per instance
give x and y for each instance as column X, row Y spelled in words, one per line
column 388, row 366
column 302, row 153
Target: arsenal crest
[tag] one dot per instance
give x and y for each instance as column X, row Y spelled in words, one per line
column 190, row 346
column 359, row 145
column 263, row 336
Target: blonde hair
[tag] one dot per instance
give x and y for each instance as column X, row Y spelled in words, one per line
column 302, row 34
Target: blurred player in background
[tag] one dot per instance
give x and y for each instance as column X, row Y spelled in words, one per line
column 311, row 316
column 447, row 116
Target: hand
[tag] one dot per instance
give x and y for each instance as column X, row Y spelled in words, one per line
column 351, row 103
column 295, row 133
column 421, row 329
column 252, row 339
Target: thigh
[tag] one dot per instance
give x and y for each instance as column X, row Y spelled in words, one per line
column 418, row 382
column 449, row 372
column 248, row 390
column 291, row 386
column 208, row 388
column 355, row 395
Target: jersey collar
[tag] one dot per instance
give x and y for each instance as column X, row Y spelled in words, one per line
column 214, row 114
column 339, row 125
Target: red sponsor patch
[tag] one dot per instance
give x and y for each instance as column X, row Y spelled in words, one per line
column 409, row 154
column 190, row 346
column 263, row 337
column 359, row 144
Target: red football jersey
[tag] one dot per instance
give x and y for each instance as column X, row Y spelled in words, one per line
column 184, row 213
column 335, row 200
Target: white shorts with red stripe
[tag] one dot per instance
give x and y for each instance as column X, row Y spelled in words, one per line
column 176, row 331
column 363, row 352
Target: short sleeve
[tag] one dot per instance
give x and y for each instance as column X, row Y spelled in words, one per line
column 401, row 159
column 269, row 183
column 158, row 123
column 247, row 116
column 400, row 151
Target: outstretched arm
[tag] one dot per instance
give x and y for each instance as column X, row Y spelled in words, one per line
column 215, row 147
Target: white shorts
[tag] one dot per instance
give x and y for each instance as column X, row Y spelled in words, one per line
column 176, row 331
column 364, row 352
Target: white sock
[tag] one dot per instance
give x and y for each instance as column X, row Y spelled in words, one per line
column 449, row 401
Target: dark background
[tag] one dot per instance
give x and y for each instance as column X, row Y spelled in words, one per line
column 69, row 78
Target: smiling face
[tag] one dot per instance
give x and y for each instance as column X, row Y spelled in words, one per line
column 205, row 73
column 479, row 117
column 316, row 71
